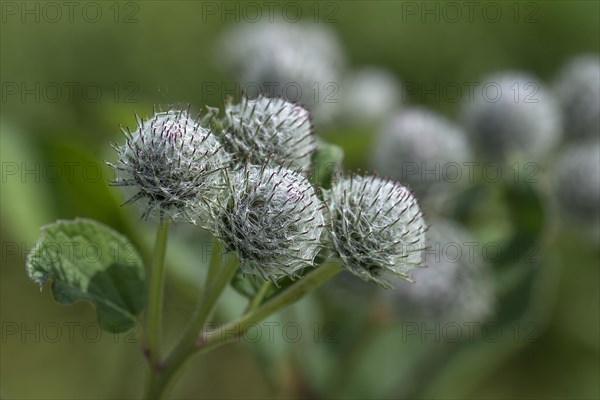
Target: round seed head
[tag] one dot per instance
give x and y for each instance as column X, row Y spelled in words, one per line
column 456, row 284
column 298, row 61
column 272, row 219
column 513, row 115
column 422, row 149
column 578, row 90
column 377, row 228
column 269, row 129
column 168, row 166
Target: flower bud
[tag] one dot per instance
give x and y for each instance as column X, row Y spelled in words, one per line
column 369, row 95
column 168, row 165
column 578, row 89
column 456, row 284
column 577, row 182
column 377, row 228
column 422, row 149
column 271, row 218
column 298, row 61
column 513, row 116
column 271, row 129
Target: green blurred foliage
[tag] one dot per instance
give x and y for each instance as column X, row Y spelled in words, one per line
column 166, row 55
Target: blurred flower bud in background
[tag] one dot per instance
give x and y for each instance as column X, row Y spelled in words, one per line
column 300, row 62
column 423, row 150
column 456, row 284
column 577, row 185
column 513, row 117
column 368, row 95
column 578, row 89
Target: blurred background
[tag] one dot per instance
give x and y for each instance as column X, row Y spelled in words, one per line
column 403, row 88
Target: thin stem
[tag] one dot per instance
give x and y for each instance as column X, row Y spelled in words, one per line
column 162, row 382
column 215, row 263
column 210, row 297
column 232, row 331
column 155, row 295
column 259, row 297
column 173, row 366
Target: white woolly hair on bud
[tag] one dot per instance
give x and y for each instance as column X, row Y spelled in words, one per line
column 416, row 141
column 513, row 116
column 456, row 284
column 168, row 165
column 271, row 218
column 377, row 228
column 272, row 129
column 577, row 182
column 285, row 59
column 578, row 89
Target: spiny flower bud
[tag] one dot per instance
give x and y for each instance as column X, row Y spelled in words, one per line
column 369, row 95
column 298, row 61
column 269, row 129
column 377, row 228
column 578, row 89
column 272, row 219
column 415, row 142
column 514, row 116
column 577, row 182
column 168, row 165
column 456, row 284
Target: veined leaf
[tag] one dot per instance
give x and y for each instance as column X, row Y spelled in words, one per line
column 86, row 260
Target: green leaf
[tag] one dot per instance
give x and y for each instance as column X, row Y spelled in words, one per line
column 86, row 260
column 327, row 160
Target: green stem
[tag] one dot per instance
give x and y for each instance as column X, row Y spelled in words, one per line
column 231, row 332
column 215, row 263
column 259, row 297
column 163, row 379
column 208, row 301
column 155, row 295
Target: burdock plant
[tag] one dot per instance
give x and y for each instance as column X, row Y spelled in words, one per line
column 243, row 177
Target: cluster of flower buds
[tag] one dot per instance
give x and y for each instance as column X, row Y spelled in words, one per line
column 245, row 179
